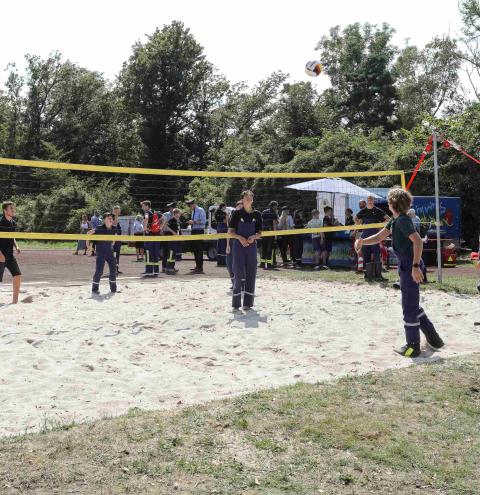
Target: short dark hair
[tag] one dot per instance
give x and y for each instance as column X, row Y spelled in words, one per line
column 6, row 204
column 348, row 210
column 107, row 214
column 327, row 208
column 273, row 204
column 146, row 203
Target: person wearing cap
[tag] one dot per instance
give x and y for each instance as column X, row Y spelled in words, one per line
column 269, row 223
column 169, row 214
column 197, row 223
column 221, row 220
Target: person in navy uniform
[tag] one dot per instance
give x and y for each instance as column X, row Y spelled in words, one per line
column 7, row 257
column 408, row 247
column 221, row 220
column 368, row 215
column 270, row 223
column 245, row 227
column 105, row 255
column 172, row 227
column 117, row 245
column 197, row 223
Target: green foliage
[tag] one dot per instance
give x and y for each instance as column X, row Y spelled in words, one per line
column 359, row 63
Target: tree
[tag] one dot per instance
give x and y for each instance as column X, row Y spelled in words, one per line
column 160, row 83
column 470, row 14
column 359, row 63
column 427, row 80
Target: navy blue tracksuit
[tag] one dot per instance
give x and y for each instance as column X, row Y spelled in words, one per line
column 117, row 245
column 414, row 317
column 244, row 258
column 105, row 255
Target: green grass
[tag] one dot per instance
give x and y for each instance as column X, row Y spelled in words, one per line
column 452, row 281
column 23, row 244
column 414, row 430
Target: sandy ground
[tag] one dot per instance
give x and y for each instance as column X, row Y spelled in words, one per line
column 66, row 356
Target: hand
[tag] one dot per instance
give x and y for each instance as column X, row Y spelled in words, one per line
column 251, row 239
column 190, row 222
column 417, row 275
column 18, row 250
column 2, row 258
column 358, row 245
column 244, row 242
column 229, row 249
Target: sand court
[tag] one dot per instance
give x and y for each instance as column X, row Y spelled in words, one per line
column 67, row 357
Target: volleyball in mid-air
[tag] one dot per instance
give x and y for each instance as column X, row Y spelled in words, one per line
column 313, row 68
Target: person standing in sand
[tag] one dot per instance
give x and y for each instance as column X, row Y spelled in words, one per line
column 245, row 227
column 7, row 258
column 408, row 247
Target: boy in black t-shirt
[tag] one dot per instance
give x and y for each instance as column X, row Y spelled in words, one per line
column 7, row 258
column 328, row 221
column 408, row 246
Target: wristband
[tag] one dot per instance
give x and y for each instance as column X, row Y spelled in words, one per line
column 416, row 265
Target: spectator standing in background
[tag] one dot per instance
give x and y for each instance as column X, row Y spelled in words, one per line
column 197, row 223
column 138, row 231
column 285, row 222
column 84, row 228
column 222, row 228
column 169, row 214
column 270, row 223
column 95, row 221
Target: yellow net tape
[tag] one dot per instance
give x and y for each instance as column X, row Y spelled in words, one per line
column 185, row 173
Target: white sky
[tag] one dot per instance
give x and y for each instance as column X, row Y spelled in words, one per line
column 245, row 39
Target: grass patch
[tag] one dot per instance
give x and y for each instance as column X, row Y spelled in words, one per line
column 403, row 431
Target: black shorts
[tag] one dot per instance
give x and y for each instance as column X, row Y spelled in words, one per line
column 328, row 245
column 12, row 266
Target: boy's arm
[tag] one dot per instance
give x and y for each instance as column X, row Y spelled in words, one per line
column 239, row 238
column 15, row 245
column 373, row 239
column 417, row 242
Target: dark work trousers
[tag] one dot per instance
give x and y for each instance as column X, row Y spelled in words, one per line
column 414, row 317
column 152, row 257
column 172, row 249
column 198, row 249
column 103, row 258
column 266, row 257
column 222, row 245
column 369, row 251
column 244, row 266
column 284, row 243
column 117, row 247
column 230, row 265
column 297, row 247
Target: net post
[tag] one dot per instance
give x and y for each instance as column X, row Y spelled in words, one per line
column 404, row 182
column 437, row 209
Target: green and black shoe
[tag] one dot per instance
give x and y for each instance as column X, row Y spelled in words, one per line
column 409, row 350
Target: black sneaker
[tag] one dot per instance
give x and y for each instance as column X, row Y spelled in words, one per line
column 95, row 292
column 409, row 350
column 435, row 342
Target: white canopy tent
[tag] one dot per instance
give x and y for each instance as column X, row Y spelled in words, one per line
column 337, row 193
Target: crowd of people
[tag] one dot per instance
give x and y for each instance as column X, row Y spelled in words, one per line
column 245, row 227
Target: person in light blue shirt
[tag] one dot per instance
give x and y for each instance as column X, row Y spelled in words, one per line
column 197, row 223
column 169, row 214
column 95, row 222
column 415, row 219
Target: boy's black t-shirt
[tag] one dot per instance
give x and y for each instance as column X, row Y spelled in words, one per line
column 220, row 216
column 174, row 225
column 269, row 216
column 328, row 222
column 243, row 216
column 6, row 245
column 402, row 228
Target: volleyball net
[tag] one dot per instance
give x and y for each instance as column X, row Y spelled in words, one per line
column 52, row 197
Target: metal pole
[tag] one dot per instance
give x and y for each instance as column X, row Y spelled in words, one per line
column 437, row 208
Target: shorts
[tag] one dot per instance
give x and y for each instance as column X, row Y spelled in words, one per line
column 317, row 244
column 12, row 266
column 328, row 245
column 139, row 244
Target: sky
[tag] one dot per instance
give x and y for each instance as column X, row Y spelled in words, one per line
column 246, row 40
